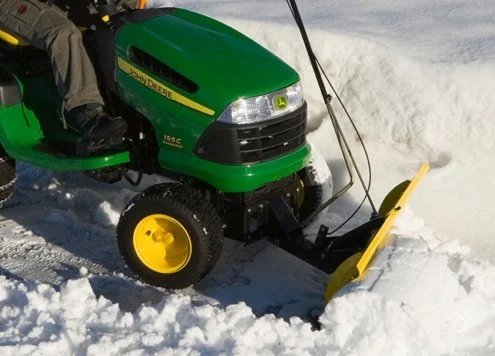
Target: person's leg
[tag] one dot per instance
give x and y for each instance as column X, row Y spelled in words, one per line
column 48, row 29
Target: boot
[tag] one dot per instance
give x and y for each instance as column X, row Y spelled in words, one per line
column 94, row 124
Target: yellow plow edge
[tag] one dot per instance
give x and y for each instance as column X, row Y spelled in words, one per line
column 355, row 267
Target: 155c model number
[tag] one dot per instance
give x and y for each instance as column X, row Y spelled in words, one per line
column 172, row 141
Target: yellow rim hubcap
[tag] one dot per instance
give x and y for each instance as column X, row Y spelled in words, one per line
column 162, row 243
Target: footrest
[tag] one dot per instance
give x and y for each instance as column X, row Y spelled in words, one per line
column 84, row 148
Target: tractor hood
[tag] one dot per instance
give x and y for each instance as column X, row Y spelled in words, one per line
column 200, row 59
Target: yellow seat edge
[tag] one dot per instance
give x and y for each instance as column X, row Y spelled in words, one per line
column 11, row 39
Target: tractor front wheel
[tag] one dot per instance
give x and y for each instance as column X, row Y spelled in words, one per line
column 170, row 236
column 315, row 183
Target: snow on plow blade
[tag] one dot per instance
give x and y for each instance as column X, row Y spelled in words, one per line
column 355, row 266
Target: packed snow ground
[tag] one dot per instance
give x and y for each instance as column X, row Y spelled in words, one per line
column 419, row 80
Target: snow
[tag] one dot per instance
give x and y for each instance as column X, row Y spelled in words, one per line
column 397, row 309
column 418, row 79
column 439, row 292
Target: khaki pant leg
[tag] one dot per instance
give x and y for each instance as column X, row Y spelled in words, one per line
column 46, row 28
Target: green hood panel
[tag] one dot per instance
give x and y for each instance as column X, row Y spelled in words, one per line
column 225, row 64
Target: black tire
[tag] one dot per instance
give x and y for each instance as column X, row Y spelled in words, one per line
column 316, row 182
column 313, row 193
column 7, row 176
column 196, row 214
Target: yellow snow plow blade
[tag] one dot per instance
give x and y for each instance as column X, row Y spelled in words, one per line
column 356, row 265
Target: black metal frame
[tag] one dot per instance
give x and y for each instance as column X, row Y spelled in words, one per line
column 240, row 210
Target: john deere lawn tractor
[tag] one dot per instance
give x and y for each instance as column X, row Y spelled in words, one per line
column 217, row 113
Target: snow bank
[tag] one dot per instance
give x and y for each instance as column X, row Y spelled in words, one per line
column 446, row 31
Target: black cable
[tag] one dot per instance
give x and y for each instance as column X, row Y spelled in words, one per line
column 322, row 71
column 138, row 163
column 348, row 219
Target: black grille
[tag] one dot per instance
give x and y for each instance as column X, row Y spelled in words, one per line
column 162, row 70
column 254, row 143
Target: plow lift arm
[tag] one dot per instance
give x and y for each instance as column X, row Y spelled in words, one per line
column 347, row 257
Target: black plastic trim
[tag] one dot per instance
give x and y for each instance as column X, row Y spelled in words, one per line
column 161, row 69
column 253, row 143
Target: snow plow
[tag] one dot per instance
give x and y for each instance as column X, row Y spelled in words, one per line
column 376, row 236
column 214, row 112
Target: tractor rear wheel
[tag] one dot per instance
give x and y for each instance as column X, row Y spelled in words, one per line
column 170, row 236
column 7, row 176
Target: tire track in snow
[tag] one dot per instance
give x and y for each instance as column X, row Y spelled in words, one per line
column 29, row 256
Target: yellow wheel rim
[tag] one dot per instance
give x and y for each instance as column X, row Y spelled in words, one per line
column 162, row 243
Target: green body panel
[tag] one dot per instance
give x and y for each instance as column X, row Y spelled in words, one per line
column 226, row 65
column 239, row 178
column 23, row 127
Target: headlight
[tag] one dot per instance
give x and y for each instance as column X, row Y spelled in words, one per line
column 264, row 107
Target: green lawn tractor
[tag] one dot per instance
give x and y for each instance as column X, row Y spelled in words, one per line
column 217, row 113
